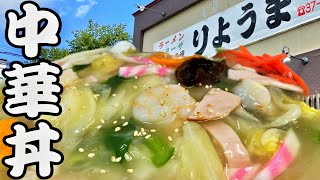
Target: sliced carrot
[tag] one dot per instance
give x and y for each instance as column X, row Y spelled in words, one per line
column 238, row 60
column 266, row 56
column 267, row 68
column 168, row 60
column 267, row 65
column 273, row 59
column 244, row 55
column 5, row 130
column 244, row 49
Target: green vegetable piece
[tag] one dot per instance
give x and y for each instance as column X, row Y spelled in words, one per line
column 77, row 68
column 119, row 144
column 226, row 84
column 160, row 148
column 119, row 141
column 115, row 82
column 101, row 88
column 315, row 135
column 220, row 50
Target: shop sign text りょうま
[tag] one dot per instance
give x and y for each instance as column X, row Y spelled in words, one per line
column 245, row 23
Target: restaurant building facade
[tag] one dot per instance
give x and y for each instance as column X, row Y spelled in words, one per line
column 295, row 24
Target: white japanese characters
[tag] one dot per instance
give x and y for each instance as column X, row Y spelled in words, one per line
column 33, row 147
column 32, row 90
column 35, row 27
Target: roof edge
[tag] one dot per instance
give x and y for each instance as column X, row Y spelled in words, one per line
column 148, row 6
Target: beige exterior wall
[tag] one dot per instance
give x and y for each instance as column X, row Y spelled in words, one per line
column 300, row 40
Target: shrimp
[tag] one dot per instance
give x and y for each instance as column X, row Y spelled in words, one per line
column 163, row 104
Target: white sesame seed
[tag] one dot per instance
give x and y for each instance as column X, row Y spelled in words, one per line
column 142, row 130
column 185, row 97
column 103, row 121
column 135, row 87
column 196, row 113
column 81, row 150
column 125, row 124
column 127, row 157
column 144, row 86
column 226, row 89
column 212, row 93
column 115, row 122
column 185, row 122
column 99, row 127
column 148, row 136
column 91, row 155
column 144, row 133
column 102, row 171
column 166, row 93
column 96, row 96
column 176, row 130
column 136, row 77
column 162, row 102
column 117, row 129
column 130, row 171
column 76, row 131
column 207, row 87
column 113, row 159
column 153, row 130
column 135, row 133
column 170, row 138
column 114, row 95
column 118, row 159
column 87, row 85
column 123, row 117
column 163, row 114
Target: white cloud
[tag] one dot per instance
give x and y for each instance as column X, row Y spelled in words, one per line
column 84, row 9
column 62, row 12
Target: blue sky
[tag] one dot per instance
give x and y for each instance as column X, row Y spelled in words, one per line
column 75, row 15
